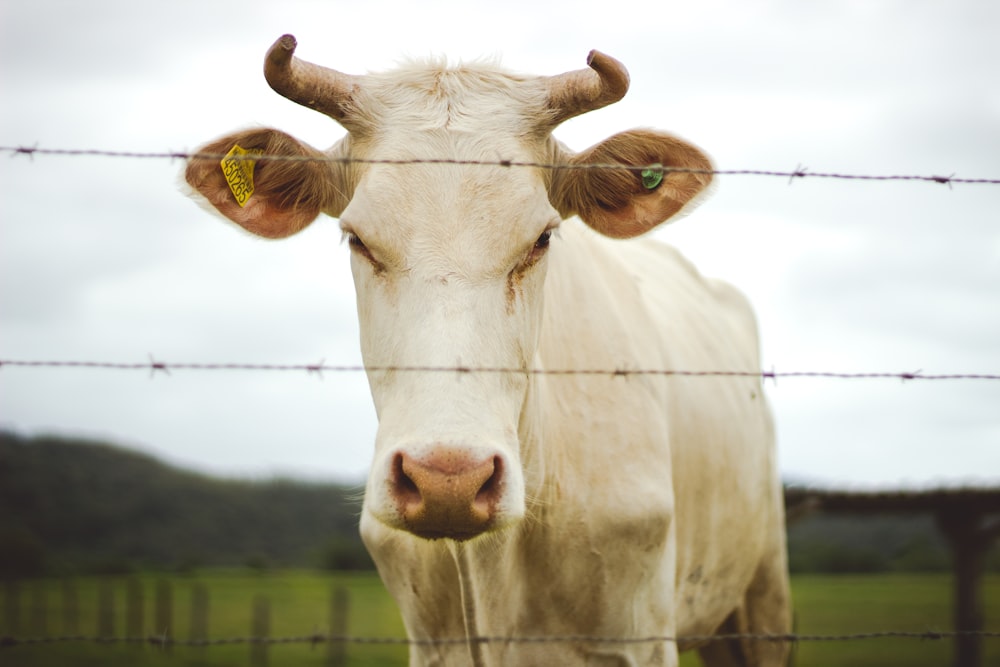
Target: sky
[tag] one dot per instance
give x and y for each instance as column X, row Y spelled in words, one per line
column 106, row 259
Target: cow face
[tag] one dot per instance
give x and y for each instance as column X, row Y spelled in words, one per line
column 449, row 259
column 448, row 265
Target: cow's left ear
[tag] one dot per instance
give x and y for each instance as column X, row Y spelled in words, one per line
column 622, row 203
column 273, row 198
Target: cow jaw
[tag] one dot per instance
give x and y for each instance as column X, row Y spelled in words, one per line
column 440, row 289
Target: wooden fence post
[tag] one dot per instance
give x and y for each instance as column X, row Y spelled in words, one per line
column 135, row 618
column 260, row 631
column 70, row 608
column 12, row 608
column 336, row 655
column 38, row 616
column 199, row 617
column 105, row 609
column 163, row 623
column 969, row 539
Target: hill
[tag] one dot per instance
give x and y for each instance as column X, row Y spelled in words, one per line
column 74, row 505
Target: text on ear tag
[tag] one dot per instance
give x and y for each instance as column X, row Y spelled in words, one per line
column 238, row 167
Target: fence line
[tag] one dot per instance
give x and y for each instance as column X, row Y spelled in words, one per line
column 319, row 638
column 798, row 172
column 337, row 636
column 154, row 366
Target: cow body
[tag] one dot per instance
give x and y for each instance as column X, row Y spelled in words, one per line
column 523, row 501
column 656, row 502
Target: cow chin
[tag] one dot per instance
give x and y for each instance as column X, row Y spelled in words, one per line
column 446, row 492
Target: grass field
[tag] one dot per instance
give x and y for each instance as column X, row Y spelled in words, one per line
column 300, row 603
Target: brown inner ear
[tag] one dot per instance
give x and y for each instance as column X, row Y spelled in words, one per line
column 288, row 194
column 614, row 201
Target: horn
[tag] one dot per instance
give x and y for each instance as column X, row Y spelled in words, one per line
column 325, row 90
column 580, row 91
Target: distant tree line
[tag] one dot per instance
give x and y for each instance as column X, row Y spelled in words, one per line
column 842, row 544
column 70, row 506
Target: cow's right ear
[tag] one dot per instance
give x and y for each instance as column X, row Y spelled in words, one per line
column 623, row 203
column 287, row 194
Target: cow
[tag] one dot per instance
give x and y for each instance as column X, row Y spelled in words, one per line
column 543, row 491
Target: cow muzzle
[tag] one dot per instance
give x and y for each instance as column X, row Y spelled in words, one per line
column 447, row 493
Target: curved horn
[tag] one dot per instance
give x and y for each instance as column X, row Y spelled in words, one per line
column 325, row 90
column 580, row 91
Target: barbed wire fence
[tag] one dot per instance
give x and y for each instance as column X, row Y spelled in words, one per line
column 154, row 366
column 319, row 638
column 337, row 639
column 798, row 173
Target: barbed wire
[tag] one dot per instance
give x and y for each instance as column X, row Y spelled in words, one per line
column 154, row 366
column 798, row 172
column 319, row 638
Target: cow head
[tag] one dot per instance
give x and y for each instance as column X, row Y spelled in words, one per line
column 449, row 259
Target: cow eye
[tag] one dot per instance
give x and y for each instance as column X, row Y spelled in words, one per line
column 355, row 242
column 543, row 241
column 358, row 246
column 539, row 249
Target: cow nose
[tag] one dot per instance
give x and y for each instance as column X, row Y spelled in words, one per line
column 446, row 493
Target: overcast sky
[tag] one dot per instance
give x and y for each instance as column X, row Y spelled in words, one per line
column 105, row 259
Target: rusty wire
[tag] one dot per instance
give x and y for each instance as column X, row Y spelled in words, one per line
column 319, row 638
column 798, row 172
column 155, row 366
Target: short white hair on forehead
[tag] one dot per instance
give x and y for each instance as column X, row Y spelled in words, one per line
column 430, row 94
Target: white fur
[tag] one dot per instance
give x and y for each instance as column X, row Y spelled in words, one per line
column 633, row 505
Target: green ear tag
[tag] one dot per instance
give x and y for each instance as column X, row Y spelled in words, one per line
column 651, row 178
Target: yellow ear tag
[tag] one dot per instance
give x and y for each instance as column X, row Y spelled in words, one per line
column 238, row 168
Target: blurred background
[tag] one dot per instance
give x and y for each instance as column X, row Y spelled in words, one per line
column 112, row 473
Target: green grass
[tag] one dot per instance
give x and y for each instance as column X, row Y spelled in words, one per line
column 854, row 604
column 300, row 603
column 897, row 602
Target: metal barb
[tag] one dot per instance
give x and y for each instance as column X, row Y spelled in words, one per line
column 155, row 365
column 317, row 368
column 946, row 180
column 24, row 150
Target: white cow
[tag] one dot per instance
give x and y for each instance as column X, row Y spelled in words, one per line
column 518, row 503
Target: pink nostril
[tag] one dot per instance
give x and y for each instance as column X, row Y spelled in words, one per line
column 489, row 492
column 404, row 489
column 447, row 492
